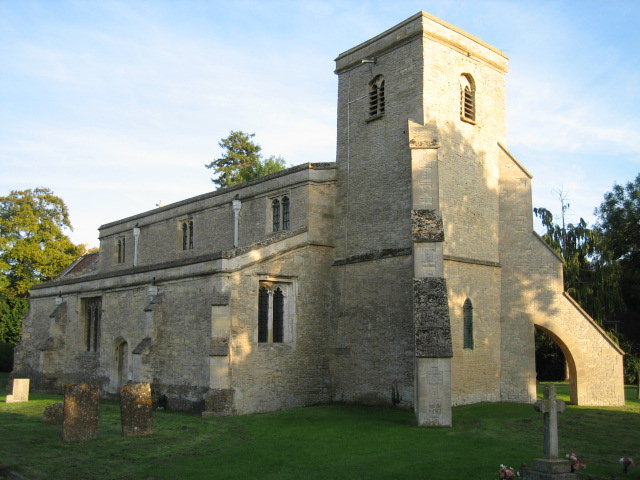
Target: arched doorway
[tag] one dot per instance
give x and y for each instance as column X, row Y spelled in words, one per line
column 570, row 363
column 121, row 355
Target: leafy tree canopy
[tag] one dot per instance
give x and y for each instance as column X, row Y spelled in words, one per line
column 591, row 277
column 242, row 161
column 33, row 245
column 12, row 310
column 619, row 226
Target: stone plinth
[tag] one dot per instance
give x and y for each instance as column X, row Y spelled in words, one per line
column 219, row 402
column 53, row 414
column 136, row 409
column 80, row 419
column 549, row 469
column 20, row 392
column 433, row 398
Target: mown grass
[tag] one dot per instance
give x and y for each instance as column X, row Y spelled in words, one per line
column 320, row 442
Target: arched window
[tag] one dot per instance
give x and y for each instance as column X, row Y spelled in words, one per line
column 376, row 97
column 276, row 312
column 467, row 314
column 276, row 215
column 187, row 235
column 285, row 213
column 121, row 250
column 278, row 316
column 263, row 315
column 467, row 98
column 93, row 313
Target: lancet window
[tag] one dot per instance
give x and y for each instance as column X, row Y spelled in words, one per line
column 467, row 98
column 376, row 97
column 467, row 314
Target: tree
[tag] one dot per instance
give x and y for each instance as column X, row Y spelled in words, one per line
column 619, row 226
column 12, row 310
column 242, row 160
column 33, row 249
column 591, row 277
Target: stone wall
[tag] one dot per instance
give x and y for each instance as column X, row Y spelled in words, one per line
column 372, row 331
column 533, row 297
column 160, row 238
column 475, row 373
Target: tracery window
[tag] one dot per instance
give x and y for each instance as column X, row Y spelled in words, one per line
column 285, row 213
column 187, row 235
column 121, row 249
column 376, row 97
column 276, row 215
column 275, row 312
column 280, row 214
column 467, row 98
column 467, row 314
column 92, row 315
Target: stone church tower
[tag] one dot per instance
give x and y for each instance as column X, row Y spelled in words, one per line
column 434, row 239
column 406, row 273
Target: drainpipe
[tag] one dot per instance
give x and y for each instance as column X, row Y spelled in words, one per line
column 136, row 236
column 237, row 205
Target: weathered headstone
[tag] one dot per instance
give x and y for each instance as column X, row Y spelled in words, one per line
column 20, row 391
column 550, row 467
column 53, row 414
column 80, row 421
column 136, row 409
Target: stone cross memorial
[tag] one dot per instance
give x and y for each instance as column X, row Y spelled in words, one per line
column 550, row 407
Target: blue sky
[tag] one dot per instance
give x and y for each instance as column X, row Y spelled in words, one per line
column 117, row 105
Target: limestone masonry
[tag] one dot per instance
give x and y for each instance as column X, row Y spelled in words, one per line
column 406, row 273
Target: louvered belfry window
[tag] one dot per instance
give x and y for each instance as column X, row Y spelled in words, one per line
column 467, row 98
column 376, row 97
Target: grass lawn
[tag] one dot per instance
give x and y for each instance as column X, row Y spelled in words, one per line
column 321, row 442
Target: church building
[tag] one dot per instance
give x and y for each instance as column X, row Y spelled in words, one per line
column 405, row 273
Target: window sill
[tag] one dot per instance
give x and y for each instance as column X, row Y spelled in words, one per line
column 375, row 117
column 468, row 120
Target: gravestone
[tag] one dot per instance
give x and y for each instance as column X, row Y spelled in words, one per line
column 136, row 408
column 550, row 467
column 53, row 414
column 80, row 419
column 20, row 391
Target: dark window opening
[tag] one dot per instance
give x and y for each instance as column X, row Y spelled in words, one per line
column 263, row 315
column 276, row 215
column 187, row 235
column 93, row 314
column 285, row 213
column 121, row 250
column 467, row 314
column 278, row 316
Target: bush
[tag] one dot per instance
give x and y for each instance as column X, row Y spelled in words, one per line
column 6, row 357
